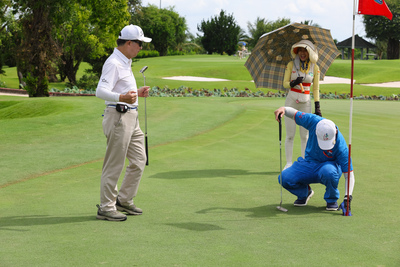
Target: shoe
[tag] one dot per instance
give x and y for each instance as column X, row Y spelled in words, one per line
column 132, row 210
column 288, row 165
column 110, row 215
column 303, row 202
column 332, row 206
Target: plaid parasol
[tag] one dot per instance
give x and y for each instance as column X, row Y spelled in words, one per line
column 268, row 60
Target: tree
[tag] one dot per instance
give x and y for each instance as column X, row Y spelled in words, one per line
column 52, row 29
column 134, row 7
column 164, row 26
column 4, row 6
column 383, row 29
column 37, row 47
column 10, row 40
column 89, row 33
column 310, row 22
column 262, row 26
column 381, row 49
column 220, row 34
column 243, row 36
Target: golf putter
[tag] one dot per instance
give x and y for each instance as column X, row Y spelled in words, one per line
column 145, row 116
column 280, row 156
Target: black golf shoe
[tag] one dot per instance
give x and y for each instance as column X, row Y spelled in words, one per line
column 303, row 202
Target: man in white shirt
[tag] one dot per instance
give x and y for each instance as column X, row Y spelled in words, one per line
column 117, row 86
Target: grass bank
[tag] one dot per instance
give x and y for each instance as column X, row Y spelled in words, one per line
column 209, row 194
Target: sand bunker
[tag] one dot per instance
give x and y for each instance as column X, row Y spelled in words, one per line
column 327, row 80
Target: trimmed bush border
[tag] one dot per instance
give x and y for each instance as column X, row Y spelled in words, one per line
column 24, row 92
column 13, row 91
column 234, row 92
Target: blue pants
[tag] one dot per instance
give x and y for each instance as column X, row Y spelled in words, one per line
column 302, row 173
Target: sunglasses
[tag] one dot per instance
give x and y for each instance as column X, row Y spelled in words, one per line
column 140, row 43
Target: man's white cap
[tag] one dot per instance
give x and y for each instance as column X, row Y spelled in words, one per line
column 326, row 133
column 133, row 32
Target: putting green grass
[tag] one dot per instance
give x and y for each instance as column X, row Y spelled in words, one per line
column 209, row 194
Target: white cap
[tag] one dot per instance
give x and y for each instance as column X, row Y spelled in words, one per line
column 133, row 32
column 326, row 133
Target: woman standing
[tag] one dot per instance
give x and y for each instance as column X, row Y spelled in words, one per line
column 299, row 75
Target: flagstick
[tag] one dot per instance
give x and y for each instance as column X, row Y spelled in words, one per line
column 351, row 108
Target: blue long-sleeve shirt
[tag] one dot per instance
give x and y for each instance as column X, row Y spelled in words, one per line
column 339, row 153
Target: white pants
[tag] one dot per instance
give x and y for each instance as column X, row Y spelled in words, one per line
column 291, row 101
column 125, row 139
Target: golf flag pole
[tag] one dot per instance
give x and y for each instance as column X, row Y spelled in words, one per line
column 351, row 108
column 367, row 7
column 145, row 116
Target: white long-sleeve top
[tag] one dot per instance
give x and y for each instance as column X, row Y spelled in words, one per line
column 116, row 79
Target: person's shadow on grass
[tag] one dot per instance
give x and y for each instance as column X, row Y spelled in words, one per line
column 261, row 212
column 38, row 220
column 269, row 211
column 209, row 173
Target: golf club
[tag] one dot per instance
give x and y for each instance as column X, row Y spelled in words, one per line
column 145, row 116
column 280, row 156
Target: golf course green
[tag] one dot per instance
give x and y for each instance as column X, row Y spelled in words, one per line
column 210, row 192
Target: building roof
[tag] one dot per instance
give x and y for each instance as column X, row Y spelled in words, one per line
column 359, row 43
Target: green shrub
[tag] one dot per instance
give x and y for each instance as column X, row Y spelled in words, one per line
column 176, row 52
column 73, row 90
column 88, row 82
column 147, row 53
column 190, row 92
column 3, row 84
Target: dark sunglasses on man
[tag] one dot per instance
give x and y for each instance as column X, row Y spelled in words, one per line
column 140, row 43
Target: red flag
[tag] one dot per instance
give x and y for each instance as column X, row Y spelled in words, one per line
column 374, row 7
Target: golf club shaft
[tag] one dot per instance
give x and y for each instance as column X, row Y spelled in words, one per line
column 280, row 153
column 280, row 161
column 280, row 129
column 145, row 132
column 145, row 116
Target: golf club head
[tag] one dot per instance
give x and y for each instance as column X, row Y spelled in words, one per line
column 282, row 209
column 143, row 69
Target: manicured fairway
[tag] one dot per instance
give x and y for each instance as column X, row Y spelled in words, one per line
column 233, row 69
column 209, row 194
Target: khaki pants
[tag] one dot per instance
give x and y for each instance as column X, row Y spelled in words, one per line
column 125, row 139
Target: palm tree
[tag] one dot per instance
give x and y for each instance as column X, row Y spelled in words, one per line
column 310, row 23
column 262, row 26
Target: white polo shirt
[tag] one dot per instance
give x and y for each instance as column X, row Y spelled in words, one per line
column 116, row 79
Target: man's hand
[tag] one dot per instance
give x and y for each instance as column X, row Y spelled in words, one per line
column 129, row 97
column 344, row 207
column 279, row 113
column 144, row 91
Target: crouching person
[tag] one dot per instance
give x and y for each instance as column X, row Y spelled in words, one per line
column 326, row 159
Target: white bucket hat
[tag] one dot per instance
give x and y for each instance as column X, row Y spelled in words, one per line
column 326, row 134
column 312, row 51
column 133, row 32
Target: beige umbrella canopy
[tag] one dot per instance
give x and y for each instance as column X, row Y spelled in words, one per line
column 268, row 59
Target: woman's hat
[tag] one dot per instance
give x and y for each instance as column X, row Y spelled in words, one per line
column 312, row 51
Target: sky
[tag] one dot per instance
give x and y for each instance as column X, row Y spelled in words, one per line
column 335, row 15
